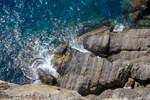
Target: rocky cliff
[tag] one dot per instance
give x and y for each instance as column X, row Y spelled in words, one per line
column 116, row 62
column 116, row 67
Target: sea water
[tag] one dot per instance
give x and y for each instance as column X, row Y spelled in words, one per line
column 31, row 29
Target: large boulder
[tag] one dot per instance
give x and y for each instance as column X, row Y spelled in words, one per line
column 129, row 44
column 89, row 74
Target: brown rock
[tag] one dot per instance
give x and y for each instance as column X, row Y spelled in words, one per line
column 39, row 92
column 130, row 83
column 60, row 50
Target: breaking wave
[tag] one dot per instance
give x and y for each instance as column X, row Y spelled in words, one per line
column 31, row 29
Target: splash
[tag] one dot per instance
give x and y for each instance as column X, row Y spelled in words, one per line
column 119, row 28
column 48, row 67
column 75, row 45
column 41, row 59
column 45, row 65
column 24, row 22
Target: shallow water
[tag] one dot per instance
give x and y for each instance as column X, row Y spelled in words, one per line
column 31, row 29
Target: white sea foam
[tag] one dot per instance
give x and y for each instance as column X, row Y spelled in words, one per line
column 48, row 67
column 75, row 45
column 118, row 28
column 44, row 64
column 42, row 60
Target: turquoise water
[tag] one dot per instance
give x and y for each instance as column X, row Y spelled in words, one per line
column 29, row 27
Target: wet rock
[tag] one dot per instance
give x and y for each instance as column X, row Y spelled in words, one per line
column 60, row 50
column 46, row 77
column 60, row 58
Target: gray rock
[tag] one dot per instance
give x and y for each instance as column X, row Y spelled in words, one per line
column 89, row 74
column 125, row 94
column 141, row 68
column 46, row 77
column 126, row 56
column 108, row 44
column 99, row 43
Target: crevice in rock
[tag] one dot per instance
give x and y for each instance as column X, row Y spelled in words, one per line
column 119, row 83
column 109, row 56
column 143, row 82
column 100, row 89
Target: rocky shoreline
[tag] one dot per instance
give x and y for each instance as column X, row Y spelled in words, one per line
column 116, row 66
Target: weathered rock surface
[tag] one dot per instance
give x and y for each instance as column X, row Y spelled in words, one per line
column 39, row 92
column 132, row 46
column 140, row 70
column 125, row 94
column 128, row 45
column 89, row 74
column 114, row 61
column 47, row 92
column 115, row 58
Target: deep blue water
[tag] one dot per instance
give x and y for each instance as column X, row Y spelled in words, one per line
column 29, row 26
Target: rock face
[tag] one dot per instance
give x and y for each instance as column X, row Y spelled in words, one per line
column 132, row 46
column 127, row 45
column 89, row 74
column 115, row 60
column 116, row 67
column 39, row 92
column 125, row 94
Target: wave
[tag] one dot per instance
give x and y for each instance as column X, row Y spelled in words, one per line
column 31, row 29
